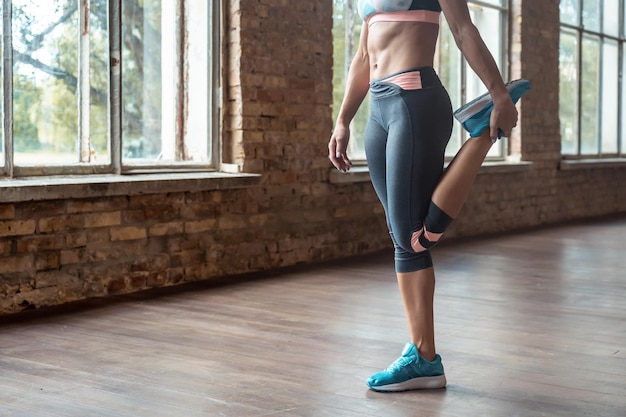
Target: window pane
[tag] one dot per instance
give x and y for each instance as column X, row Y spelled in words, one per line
column 448, row 65
column 344, row 49
column 610, row 65
column 591, row 15
column 623, row 112
column 165, row 94
column 144, row 82
column 45, row 82
column 624, row 17
column 484, row 20
column 488, row 21
column 99, row 83
column 569, row 11
column 611, row 17
column 1, row 101
column 589, row 94
column 568, row 92
column 198, row 96
column 356, row 147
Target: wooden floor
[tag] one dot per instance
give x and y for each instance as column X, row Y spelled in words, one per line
column 531, row 324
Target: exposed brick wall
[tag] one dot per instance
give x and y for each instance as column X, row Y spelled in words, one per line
column 277, row 120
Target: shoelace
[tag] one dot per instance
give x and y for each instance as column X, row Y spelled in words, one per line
column 398, row 364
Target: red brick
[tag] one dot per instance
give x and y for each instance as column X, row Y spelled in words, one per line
column 16, row 264
column 47, row 260
column 17, row 227
column 7, row 211
column 59, row 223
column 162, row 229
column 39, row 243
column 104, row 219
column 128, row 233
column 200, row 226
column 76, row 239
column 106, row 204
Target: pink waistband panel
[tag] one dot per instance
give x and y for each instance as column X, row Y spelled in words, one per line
column 426, row 16
column 407, row 80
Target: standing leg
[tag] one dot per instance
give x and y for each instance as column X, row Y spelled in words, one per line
column 419, row 127
column 419, row 367
column 417, row 289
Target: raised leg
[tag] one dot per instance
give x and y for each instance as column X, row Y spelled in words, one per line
column 452, row 191
column 457, row 180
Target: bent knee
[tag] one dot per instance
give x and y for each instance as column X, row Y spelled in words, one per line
column 423, row 240
column 409, row 261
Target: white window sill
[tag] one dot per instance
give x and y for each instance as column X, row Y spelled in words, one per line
column 88, row 186
column 361, row 173
column 577, row 164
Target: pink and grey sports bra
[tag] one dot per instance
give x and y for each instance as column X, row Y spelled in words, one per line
column 399, row 11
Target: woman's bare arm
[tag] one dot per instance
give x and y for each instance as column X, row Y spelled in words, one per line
column 357, row 85
column 473, row 48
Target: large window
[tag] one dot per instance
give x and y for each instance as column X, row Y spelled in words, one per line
column 491, row 19
column 108, row 86
column 591, row 95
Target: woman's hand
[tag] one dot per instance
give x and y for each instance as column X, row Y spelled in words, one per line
column 337, row 148
column 503, row 117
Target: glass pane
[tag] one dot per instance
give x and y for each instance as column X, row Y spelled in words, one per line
column 1, row 101
column 356, row 146
column 45, row 82
column 148, row 88
column 343, row 52
column 448, row 66
column 569, row 11
column 99, row 81
column 610, row 66
column 196, row 147
column 623, row 111
column 611, row 17
column 589, row 95
column 568, row 92
column 154, row 93
column 591, row 15
column 489, row 23
column 623, row 32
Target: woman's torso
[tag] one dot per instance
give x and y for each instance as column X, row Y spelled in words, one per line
column 395, row 46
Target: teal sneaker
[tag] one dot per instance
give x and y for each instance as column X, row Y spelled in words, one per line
column 475, row 115
column 409, row 371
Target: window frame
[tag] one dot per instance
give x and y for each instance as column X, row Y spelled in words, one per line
column 580, row 33
column 504, row 64
column 115, row 164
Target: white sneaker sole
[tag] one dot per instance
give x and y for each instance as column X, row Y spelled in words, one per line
column 425, row 382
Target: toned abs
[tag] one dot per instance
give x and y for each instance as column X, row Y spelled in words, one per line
column 398, row 46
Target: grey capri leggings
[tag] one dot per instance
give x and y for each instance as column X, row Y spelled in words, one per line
column 405, row 141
